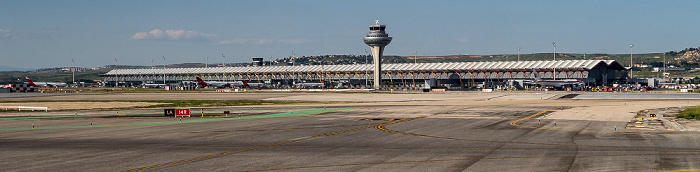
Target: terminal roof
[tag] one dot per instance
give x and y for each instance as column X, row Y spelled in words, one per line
column 395, row 67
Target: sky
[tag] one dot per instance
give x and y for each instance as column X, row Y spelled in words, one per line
column 49, row 33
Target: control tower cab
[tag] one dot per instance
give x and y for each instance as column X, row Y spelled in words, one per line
column 377, row 39
column 377, row 35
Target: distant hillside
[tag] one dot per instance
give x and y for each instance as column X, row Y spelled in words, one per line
column 8, row 68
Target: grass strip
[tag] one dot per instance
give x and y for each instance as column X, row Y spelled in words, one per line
column 690, row 113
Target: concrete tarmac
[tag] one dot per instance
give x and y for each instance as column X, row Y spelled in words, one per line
column 484, row 133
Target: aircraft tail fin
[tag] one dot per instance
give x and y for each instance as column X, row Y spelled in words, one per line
column 201, row 82
column 537, row 77
column 245, row 83
column 29, row 81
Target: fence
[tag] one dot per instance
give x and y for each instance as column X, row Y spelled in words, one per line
column 46, row 109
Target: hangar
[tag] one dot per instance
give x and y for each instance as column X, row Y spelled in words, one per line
column 407, row 75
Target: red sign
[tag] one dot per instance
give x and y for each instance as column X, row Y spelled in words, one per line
column 182, row 112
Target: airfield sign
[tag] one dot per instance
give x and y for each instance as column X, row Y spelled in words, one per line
column 182, row 112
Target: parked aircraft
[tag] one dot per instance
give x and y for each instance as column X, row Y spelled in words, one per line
column 45, row 84
column 154, row 85
column 219, row 84
column 309, row 85
column 556, row 83
column 253, row 85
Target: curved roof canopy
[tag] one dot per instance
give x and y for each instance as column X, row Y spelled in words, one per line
column 396, row 67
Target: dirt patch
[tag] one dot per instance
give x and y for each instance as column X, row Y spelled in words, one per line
column 81, row 105
column 690, row 124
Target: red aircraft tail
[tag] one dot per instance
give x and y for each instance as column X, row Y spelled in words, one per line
column 201, row 82
column 29, row 81
column 245, row 83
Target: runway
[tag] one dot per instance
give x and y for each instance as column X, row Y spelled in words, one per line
column 404, row 136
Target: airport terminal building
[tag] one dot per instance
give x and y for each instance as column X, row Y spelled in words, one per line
column 400, row 75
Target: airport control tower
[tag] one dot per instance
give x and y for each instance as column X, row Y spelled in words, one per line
column 377, row 39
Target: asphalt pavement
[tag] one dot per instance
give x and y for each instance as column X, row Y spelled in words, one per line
column 338, row 138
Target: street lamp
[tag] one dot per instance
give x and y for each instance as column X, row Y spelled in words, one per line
column 664, row 74
column 164, row 70
column 73, row 69
column 631, row 45
column 415, row 60
column 206, row 63
column 153, row 66
column 518, row 53
column 294, row 59
column 555, row 60
column 222, row 60
column 116, row 83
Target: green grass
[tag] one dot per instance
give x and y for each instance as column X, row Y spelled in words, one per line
column 690, row 113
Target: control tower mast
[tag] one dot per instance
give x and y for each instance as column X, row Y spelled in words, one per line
column 377, row 39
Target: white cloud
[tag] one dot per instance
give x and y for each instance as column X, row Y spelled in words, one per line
column 5, row 34
column 173, row 35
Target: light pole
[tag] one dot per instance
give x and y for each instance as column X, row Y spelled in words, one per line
column 116, row 83
column 294, row 59
column 73, row 69
column 518, row 53
column 222, row 60
column 164, row 70
column 415, row 60
column 206, row 63
column 631, row 45
column 664, row 74
column 153, row 66
column 555, row 61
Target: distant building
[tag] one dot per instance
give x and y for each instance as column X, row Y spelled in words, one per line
column 660, row 69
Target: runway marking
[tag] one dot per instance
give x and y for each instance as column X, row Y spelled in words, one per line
column 514, row 123
column 458, row 159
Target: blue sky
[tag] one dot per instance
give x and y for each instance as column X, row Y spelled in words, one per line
column 38, row 34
